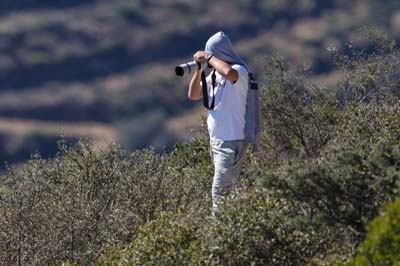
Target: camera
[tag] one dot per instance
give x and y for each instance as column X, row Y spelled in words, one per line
column 187, row 68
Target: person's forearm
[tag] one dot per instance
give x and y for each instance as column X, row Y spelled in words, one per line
column 224, row 69
column 195, row 92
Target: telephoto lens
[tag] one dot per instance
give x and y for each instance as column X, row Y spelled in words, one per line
column 187, row 68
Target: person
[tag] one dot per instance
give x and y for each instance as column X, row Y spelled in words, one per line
column 233, row 114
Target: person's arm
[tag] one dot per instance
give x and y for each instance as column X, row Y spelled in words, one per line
column 195, row 91
column 224, row 69
column 219, row 65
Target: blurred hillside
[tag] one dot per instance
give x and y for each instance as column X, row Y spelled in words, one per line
column 105, row 69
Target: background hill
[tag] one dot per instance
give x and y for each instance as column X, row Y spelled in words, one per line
column 105, row 68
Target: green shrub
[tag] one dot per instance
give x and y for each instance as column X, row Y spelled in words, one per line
column 258, row 229
column 347, row 189
column 253, row 229
column 298, row 116
column 71, row 207
column 168, row 240
column 305, row 120
column 382, row 245
column 362, row 125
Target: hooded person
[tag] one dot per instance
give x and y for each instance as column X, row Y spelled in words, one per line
column 230, row 94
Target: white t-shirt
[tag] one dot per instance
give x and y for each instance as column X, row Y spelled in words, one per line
column 227, row 120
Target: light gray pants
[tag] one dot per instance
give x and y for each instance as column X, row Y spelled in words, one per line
column 227, row 157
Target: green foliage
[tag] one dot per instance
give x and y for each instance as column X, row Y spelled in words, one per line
column 159, row 243
column 363, row 125
column 346, row 189
column 298, row 115
column 88, row 199
column 258, row 229
column 382, row 245
column 169, row 240
column 253, row 229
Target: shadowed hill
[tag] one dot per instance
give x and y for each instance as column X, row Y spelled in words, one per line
column 9, row 6
column 112, row 62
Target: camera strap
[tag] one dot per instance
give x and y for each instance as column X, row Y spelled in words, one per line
column 205, row 90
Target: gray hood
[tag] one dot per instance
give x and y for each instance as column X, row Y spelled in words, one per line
column 220, row 46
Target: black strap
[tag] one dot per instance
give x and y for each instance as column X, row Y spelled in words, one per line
column 205, row 90
column 253, row 84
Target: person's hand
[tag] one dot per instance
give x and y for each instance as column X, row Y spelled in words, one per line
column 200, row 57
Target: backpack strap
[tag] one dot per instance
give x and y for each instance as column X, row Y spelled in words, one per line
column 253, row 84
column 205, row 90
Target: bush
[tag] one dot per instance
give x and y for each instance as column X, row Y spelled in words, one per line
column 298, row 116
column 382, row 245
column 259, row 229
column 306, row 214
column 88, row 199
column 169, row 240
column 362, row 125
column 254, row 229
column 347, row 189
column 304, row 120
